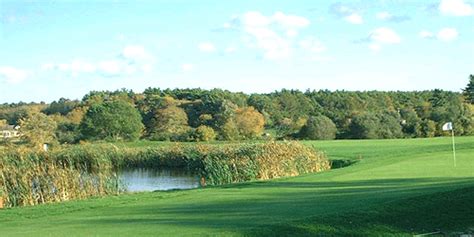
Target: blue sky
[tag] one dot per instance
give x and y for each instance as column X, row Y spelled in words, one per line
column 53, row 49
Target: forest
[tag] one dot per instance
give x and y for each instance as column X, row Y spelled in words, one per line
column 206, row 115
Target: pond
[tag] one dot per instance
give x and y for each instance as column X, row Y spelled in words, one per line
column 145, row 179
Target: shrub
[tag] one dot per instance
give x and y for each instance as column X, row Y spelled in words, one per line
column 204, row 133
column 318, row 128
column 229, row 131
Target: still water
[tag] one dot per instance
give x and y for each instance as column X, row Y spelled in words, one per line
column 145, row 179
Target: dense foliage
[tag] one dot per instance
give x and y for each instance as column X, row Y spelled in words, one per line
column 116, row 120
column 176, row 115
column 469, row 90
column 318, row 128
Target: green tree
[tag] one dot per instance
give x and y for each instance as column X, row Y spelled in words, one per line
column 318, row 128
column 204, row 133
column 62, row 106
column 37, row 129
column 385, row 124
column 249, row 122
column 67, row 132
column 426, row 128
column 468, row 92
column 409, row 121
column 364, row 126
column 229, row 131
column 389, row 125
column 111, row 120
column 169, row 124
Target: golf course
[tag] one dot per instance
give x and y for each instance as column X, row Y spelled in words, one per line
column 398, row 187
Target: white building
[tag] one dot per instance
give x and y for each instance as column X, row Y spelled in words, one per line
column 9, row 131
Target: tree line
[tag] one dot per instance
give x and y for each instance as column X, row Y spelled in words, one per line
column 206, row 115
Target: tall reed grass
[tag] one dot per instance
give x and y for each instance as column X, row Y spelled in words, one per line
column 33, row 177
column 75, row 172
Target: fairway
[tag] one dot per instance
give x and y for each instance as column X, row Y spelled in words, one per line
column 399, row 187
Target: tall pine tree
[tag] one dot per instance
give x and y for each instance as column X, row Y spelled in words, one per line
column 469, row 90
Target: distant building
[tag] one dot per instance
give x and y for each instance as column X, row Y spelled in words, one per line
column 9, row 131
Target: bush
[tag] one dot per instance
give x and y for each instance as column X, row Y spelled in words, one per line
column 318, row 128
column 426, row 128
column 373, row 126
column 204, row 133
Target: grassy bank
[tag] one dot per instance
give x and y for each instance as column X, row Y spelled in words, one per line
column 397, row 187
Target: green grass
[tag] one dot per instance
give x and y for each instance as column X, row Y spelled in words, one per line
column 396, row 187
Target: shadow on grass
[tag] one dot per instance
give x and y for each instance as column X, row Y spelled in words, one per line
column 284, row 207
column 448, row 213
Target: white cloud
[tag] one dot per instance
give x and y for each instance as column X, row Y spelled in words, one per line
column 255, row 19
column 48, row 66
column 341, row 10
column 374, row 47
column 312, row 45
column 12, row 75
column 272, row 34
column 354, row 18
column 187, row 67
column 455, row 8
column 347, row 13
column 111, row 67
column 384, row 35
column 275, row 34
column 386, row 16
column 426, row 34
column 206, row 47
column 81, row 66
column 135, row 52
column 128, row 69
column 383, row 15
column 275, row 46
column 63, row 66
column 146, row 68
column 447, row 34
column 75, row 67
column 290, row 21
column 230, row 49
column 132, row 59
column 291, row 33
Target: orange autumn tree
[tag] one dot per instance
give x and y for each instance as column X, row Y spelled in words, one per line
column 249, row 122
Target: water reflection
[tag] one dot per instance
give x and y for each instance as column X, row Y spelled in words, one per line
column 144, row 179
